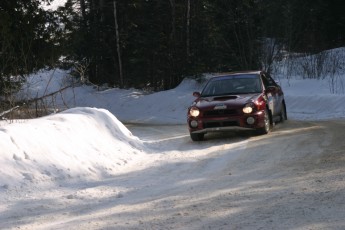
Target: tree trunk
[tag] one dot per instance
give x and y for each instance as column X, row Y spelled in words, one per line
column 83, row 12
column 188, row 30
column 171, row 81
column 173, row 19
column 118, row 44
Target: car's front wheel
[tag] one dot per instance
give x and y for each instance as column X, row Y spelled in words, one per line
column 197, row 136
column 267, row 123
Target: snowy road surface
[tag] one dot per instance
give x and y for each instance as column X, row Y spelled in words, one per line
column 292, row 178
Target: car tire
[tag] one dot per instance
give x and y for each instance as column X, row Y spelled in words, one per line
column 197, row 136
column 283, row 114
column 267, row 127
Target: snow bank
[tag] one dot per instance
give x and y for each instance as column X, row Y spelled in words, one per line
column 307, row 99
column 310, row 99
column 80, row 143
column 136, row 106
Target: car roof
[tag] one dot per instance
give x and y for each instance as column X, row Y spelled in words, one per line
column 238, row 73
column 219, row 76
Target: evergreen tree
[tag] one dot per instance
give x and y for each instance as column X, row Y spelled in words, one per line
column 155, row 43
column 27, row 39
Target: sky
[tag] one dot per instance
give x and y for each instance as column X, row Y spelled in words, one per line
column 89, row 140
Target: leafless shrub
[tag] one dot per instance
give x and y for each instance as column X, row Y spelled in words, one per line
column 27, row 107
column 313, row 66
column 329, row 65
column 81, row 70
column 271, row 53
column 335, row 72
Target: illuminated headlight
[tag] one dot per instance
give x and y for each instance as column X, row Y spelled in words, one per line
column 194, row 112
column 248, row 108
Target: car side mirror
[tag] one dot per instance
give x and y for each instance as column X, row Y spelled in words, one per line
column 271, row 89
column 196, row 94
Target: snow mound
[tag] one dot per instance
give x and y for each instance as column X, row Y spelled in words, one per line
column 80, row 143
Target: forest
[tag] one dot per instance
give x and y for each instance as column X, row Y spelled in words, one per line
column 156, row 43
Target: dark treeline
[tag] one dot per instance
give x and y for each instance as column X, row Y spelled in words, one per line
column 155, row 43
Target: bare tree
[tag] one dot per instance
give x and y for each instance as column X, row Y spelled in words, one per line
column 81, row 68
column 118, row 43
column 188, row 30
column 271, row 52
column 83, row 12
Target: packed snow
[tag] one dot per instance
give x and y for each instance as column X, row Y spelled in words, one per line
column 89, row 140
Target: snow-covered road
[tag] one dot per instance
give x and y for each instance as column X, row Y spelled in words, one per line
column 292, row 178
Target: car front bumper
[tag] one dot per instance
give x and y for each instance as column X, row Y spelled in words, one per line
column 227, row 123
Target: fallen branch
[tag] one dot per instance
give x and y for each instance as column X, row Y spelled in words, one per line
column 21, row 104
column 8, row 111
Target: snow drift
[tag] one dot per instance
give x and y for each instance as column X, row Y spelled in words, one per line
column 80, row 143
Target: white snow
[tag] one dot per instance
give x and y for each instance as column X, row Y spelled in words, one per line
column 66, row 145
column 54, row 4
column 86, row 153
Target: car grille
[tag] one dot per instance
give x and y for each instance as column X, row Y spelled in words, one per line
column 221, row 112
column 217, row 124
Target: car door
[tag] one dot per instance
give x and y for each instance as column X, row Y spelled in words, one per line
column 273, row 93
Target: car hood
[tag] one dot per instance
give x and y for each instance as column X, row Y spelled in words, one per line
column 233, row 101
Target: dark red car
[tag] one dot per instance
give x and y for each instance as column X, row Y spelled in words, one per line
column 242, row 100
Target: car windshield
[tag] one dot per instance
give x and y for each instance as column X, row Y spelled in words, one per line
column 232, row 85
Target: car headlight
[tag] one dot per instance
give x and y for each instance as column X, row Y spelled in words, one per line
column 194, row 112
column 248, row 108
